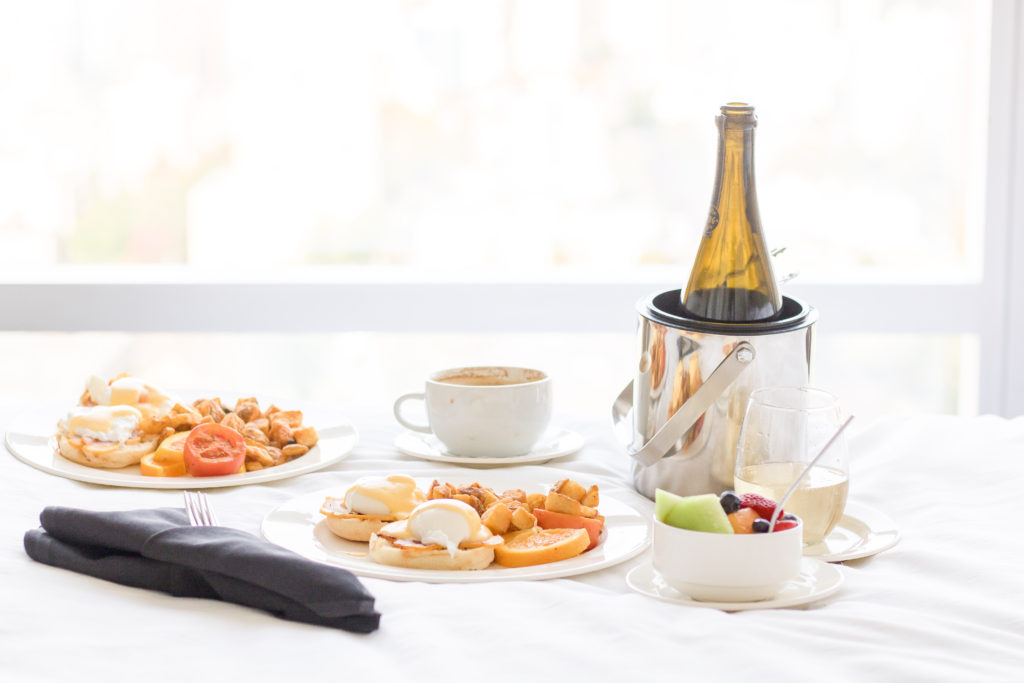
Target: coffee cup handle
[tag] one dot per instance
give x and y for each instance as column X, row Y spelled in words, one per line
column 398, row 413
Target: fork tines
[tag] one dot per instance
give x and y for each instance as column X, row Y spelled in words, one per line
column 198, row 509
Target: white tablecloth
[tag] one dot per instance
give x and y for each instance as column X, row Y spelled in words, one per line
column 947, row 603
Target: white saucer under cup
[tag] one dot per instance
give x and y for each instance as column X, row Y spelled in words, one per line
column 817, row 580
column 555, row 443
column 861, row 532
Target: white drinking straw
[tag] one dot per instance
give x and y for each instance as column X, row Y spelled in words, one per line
column 782, row 502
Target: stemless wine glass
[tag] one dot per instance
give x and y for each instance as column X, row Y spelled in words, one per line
column 783, row 429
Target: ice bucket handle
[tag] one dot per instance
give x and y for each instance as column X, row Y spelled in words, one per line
column 688, row 414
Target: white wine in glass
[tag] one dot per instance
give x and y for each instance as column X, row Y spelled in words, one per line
column 783, row 429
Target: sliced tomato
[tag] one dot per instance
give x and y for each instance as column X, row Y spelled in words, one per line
column 559, row 520
column 212, row 449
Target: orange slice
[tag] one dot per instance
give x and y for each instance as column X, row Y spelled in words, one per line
column 171, row 450
column 540, row 546
column 151, row 468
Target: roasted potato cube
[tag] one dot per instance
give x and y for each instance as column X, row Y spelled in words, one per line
column 591, row 499
column 293, row 418
column 248, row 409
column 254, row 434
column 497, row 518
column 535, row 500
column 570, row 488
column 523, row 518
column 439, row 490
column 471, row 501
column 518, row 495
column 587, row 512
column 210, row 408
column 234, row 422
column 306, row 436
column 556, row 502
column 489, row 497
column 259, row 454
column 261, row 423
column 280, row 433
column 294, row 450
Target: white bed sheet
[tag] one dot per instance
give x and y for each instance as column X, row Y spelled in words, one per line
column 947, row 603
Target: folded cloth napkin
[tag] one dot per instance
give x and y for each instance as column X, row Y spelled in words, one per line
column 157, row 549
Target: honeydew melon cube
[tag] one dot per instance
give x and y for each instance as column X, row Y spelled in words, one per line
column 696, row 513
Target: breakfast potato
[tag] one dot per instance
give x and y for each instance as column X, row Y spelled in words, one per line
column 280, row 432
column 557, row 502
column 535, row 500
column 591, row 499
column 247, row 409
column 517, row 495
column 497, row 518
column 570, row 488
column 294, row 450
column 253, row 434
column 306, row 436
column 258, row 453
column 523, row 518
column 234, row 422
column 293, row 418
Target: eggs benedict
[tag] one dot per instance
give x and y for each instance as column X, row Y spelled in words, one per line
column 104, row 436
column 116, row 423
column 439, row 534
column 370, row 504
column 124, row 390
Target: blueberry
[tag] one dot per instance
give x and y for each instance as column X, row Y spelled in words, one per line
column 789, row 516
column 761, row 525
column 730, row 502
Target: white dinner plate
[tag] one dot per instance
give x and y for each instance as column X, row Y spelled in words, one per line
column 299, row 526
column 817, row 580
column 30, row 439
column 861, row 532
column 554, row 444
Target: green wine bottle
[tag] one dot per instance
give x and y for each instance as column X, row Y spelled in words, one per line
column 732, row 278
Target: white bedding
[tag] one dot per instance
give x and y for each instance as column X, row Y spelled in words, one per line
column 947, row 603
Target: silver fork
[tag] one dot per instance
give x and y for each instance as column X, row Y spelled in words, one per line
column 198, row 509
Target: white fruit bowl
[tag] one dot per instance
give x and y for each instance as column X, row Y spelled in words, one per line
column 727, row 567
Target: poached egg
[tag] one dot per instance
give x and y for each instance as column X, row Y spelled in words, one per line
column 112, row 424
column 392, row 496
column 444, row 521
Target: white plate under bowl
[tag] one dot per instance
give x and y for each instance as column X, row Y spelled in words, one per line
column 817, row 580
column 861, row 532
column 30, row 439
column 554, row 444
column 299, row 526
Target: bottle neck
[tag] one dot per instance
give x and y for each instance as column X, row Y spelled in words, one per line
column 734, row 176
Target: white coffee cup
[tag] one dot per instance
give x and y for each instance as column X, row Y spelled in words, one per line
column 484, row 412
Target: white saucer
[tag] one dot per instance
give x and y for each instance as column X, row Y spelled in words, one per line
column 861, row 532
column 817, row 581
column 554, row 444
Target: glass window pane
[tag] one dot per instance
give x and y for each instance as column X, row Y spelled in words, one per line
column 517, row 134
column 874, row 375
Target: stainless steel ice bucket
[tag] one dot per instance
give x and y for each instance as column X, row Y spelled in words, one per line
column 680, row 417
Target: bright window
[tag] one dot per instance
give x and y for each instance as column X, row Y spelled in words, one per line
column 515, row 166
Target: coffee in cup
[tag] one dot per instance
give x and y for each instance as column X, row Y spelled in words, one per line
column 484, row 412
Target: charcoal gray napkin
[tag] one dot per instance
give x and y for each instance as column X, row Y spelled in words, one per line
column 156, row 549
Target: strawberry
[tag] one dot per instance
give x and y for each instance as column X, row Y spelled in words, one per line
column 759, row 504
column 784, row 524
